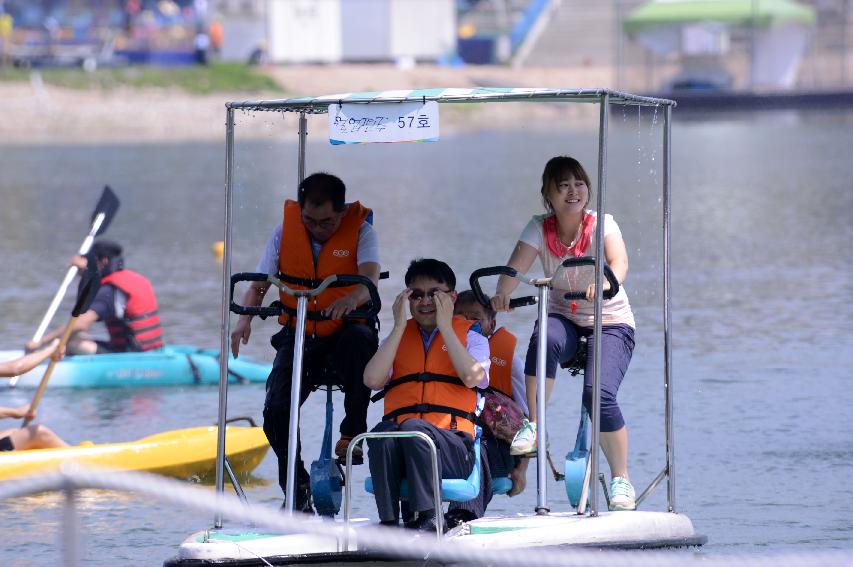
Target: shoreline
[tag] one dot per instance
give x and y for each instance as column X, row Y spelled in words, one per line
column 36, row 113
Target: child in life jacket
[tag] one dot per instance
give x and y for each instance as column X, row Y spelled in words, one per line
column 505, row 407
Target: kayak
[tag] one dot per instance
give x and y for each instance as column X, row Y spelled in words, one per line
column 182, row 453
column 169, row 366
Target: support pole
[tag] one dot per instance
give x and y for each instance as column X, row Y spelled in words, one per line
column 295, row 389
column 667, row 312
column 599, row 281
column 541, row 425
column 303, row 137
column 224, row 326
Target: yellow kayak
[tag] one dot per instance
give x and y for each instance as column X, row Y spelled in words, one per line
column 182, row 453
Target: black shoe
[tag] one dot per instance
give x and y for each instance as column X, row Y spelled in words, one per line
column 423, row 523
column 303, row 500
column 457, row 517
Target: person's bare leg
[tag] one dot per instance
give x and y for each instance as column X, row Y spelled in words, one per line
column 35, row 437
column 615, row 447
column 81, row 343
column 530, row 381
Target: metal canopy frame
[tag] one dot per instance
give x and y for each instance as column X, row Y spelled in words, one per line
column 604, row 98
column 320, row 104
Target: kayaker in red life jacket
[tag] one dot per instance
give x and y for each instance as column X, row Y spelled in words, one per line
column 34, row 436
column 125, row 302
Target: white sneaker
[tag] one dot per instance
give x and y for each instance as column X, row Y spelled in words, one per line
column 524, row 441
column 621, row 494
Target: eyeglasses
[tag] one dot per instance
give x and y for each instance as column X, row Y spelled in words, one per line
column 418, row 295
column 324, row 224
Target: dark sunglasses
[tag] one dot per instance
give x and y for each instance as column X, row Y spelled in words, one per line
column 418, row 295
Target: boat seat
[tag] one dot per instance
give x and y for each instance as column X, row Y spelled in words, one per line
column 452, row 489
column 577, row 362
column 501, row 485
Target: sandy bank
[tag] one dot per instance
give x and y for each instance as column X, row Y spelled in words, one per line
column 35, row 113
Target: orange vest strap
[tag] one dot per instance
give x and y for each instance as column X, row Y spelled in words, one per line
column 430, row 408
column 418, row 377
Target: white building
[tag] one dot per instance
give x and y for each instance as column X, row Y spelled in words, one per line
column 333, row 31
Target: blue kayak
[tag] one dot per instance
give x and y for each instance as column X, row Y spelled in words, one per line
column 169, row 366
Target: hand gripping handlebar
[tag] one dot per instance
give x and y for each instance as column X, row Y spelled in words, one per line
column 367, row 311
column 474, row 280
column 590, row 261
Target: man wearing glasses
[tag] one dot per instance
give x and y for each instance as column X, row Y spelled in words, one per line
column 320, row 235
column 429, row 366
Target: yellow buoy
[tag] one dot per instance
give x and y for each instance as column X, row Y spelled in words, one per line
column 218, row 249
column 466, row 30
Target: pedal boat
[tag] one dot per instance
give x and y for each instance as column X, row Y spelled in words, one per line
column 239, row 546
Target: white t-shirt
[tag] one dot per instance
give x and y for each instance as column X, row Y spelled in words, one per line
column 616, row 310
column 368, row 249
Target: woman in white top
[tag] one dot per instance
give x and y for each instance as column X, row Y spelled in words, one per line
column 568, row 229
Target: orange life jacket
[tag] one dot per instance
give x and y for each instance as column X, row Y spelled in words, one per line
column 296, row 263
column 502, row 348
column 425, row 385
column 139, row 329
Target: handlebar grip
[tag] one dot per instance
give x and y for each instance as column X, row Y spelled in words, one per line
column 262, row 312
column 474, row 280
column 590, row 261
column 523, row 301
column 371, row 308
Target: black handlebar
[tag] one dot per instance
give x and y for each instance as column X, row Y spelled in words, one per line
column 367, row 311
column 474, row 280
column 273, row 310
column 590, row 261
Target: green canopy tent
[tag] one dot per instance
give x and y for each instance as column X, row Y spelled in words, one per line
column 698, row 29
column 763, row 13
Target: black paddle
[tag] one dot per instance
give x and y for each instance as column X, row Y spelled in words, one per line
column 103, row 214
column 90, row 281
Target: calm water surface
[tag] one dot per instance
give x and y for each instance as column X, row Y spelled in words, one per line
column 761, row 293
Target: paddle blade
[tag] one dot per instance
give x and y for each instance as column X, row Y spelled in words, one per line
column 108, row 205
column 90, row 282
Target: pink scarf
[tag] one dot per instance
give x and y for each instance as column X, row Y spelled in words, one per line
column 560, row 250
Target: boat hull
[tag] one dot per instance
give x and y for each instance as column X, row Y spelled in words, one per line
column 609, row 530
column 183, row 453
column 170, row 366
column 628, row 530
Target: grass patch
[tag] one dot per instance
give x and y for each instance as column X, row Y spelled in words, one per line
column 195, row 79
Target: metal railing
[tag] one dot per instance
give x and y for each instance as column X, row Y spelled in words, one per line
column 385, row 541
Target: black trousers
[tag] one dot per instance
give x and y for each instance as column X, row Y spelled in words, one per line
column 347, row 352
column 392, row 460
